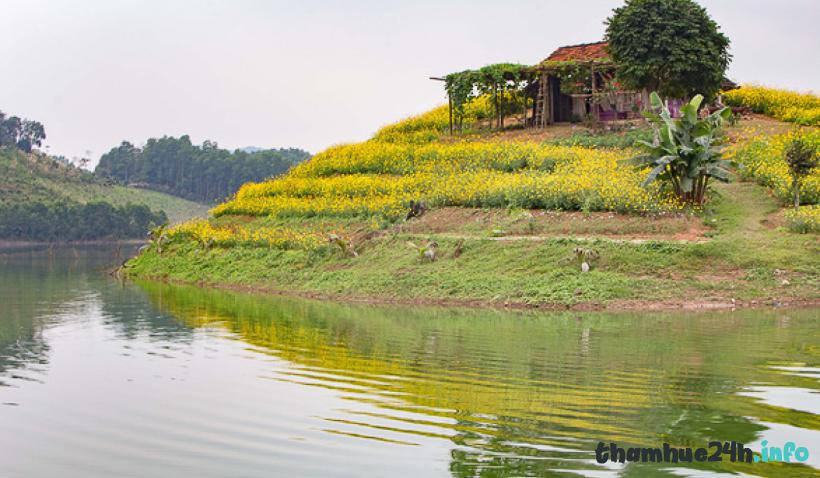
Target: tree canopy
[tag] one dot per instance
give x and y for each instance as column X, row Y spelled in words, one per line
column 20, row 133
column 201, row 173
column 669, row 46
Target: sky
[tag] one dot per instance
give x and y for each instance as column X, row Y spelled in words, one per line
column 307, row 73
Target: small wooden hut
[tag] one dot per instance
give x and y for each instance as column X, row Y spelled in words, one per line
column 574, row 83
column 578, row 82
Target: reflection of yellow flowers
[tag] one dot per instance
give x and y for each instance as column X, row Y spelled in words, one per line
column 800, row 108
column 764, row 160
column 278, row 237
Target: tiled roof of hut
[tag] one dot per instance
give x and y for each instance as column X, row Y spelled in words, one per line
column 582, row 52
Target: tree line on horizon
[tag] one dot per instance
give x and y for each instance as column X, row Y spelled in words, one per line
column 203, row 173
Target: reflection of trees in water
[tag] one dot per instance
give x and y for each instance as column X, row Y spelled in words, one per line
column 128, row 313
column 520, row 394
column 22, row 348
column 45, row 286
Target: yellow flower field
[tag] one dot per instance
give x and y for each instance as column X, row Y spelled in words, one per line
column 429, row 126
column 799, row 108
column 763, row 159
column 208, row 234
column 804, row 220
column 375, row 178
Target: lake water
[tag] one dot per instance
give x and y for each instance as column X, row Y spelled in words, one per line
column 100, row 378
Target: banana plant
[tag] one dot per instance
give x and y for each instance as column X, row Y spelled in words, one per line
column 685, row 151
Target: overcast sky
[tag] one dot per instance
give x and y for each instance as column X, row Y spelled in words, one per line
column 311, row 73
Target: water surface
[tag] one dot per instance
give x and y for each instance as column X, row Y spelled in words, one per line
column 102, row 378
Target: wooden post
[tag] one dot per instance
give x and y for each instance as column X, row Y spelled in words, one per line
column 497, row 107
column 501, row 109
column 550, row 117
column 450, row 108
column 594, row 89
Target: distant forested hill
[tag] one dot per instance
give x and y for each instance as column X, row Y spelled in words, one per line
column 42, row 199
column 203, row 173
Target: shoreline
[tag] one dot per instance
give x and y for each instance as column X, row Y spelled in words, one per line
column 8, row 244
column 621, row 305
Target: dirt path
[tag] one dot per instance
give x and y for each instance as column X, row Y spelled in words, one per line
column 613, row 239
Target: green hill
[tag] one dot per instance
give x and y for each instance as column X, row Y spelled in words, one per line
column 43, row 199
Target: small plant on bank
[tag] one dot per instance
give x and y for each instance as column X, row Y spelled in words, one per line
column 427, row 252
column 159, row 236
column 586, row 257
column 801, row 156
column 344, row 246
column 684, row 153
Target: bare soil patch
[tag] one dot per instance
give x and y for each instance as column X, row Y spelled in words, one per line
column 502, row 223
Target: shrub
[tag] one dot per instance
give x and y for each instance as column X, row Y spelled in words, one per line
column 801, row 157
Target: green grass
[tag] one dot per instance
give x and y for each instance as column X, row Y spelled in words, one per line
column 745, row 260
column 38, row 178
column 612, row 139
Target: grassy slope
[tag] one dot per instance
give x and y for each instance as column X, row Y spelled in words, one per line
column 31, row 178
column 745, row 260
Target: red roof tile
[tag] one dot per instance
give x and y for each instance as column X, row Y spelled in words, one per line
column 582, row 52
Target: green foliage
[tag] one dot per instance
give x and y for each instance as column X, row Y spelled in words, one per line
column 575, row 77
column 683, row 152
column 43, row 221
column 669, row 46
column 504, row 83
column 201, row 173
column 801, row 157
column 20, row 133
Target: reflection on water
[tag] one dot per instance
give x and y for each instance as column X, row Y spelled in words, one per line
column 157, row 380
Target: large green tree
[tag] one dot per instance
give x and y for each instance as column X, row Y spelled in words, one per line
column 669, row 46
